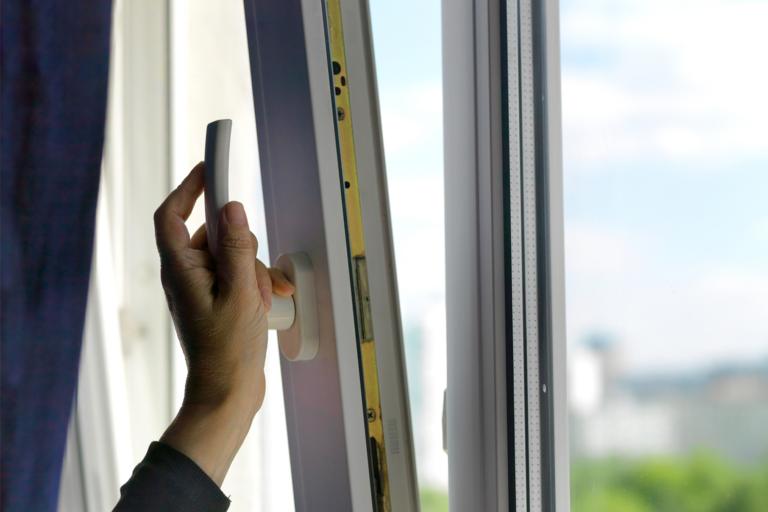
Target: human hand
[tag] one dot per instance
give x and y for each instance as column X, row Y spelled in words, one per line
column 219, row 310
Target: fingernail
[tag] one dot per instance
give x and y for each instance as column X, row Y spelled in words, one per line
column 283, row 281
column 234, row 214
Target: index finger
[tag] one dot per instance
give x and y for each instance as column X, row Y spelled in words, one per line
column 170, row 230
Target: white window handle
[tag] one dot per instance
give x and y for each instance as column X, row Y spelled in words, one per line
column 295, row 318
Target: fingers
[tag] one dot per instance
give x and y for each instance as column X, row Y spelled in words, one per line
column 199, row 240
column 199, row 256
column 170, row 231
column 265, row 284
column 280, row 284
column 236, row 250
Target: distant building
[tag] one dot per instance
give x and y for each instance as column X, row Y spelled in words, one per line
column 426, row 360
column 722, row 409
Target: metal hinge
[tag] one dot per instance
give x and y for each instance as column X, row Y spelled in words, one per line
column 363, row 299
column 375, row 462
column 445, row 420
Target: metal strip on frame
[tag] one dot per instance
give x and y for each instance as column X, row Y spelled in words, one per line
column 379, row 255
column 515, row 247
column 356, row 246
column 530, row 265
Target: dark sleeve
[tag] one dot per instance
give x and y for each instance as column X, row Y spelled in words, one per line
column 168, row 480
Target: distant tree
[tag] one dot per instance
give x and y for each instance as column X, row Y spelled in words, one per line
column 611, row 500
column 434, row 500
column 701, row 482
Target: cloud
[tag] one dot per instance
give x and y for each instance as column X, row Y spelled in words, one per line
column 411, row 116
column 412, row 131
column 648, row 80
column 599, row 252
column 718, row 314
column 664, row 316
column 418, row 227
column 759, row 230
column 605, row 270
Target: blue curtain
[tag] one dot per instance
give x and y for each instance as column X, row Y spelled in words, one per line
column 54, row 86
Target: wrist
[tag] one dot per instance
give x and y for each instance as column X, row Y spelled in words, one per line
column 209, row 435
column 239, row 391
column 210, row 426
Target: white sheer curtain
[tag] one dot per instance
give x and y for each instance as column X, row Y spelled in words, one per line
column 212, row 80
column 175, row 66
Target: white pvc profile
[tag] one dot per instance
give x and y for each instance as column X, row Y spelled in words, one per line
column 304, row 211
column 533, row 252
column 555, row 262
column 476, row 404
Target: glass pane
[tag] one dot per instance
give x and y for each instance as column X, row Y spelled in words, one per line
column 407, row 49
column 666, row 178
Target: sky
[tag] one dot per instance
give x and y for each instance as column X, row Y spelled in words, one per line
column 665, row 139
column 409, row 72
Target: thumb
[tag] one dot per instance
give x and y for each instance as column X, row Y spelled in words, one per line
column 236, row 250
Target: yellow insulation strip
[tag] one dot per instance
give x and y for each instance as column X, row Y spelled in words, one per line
column 356, row 239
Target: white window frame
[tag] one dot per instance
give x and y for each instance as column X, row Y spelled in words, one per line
column 506, row 397
column 294, row 103
column 488, row 440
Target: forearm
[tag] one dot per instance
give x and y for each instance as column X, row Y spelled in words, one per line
column 211, row 434
column 219, row 309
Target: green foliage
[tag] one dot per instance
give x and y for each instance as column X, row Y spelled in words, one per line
column 433, row 500
column 612, row 500
column 701, row 482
